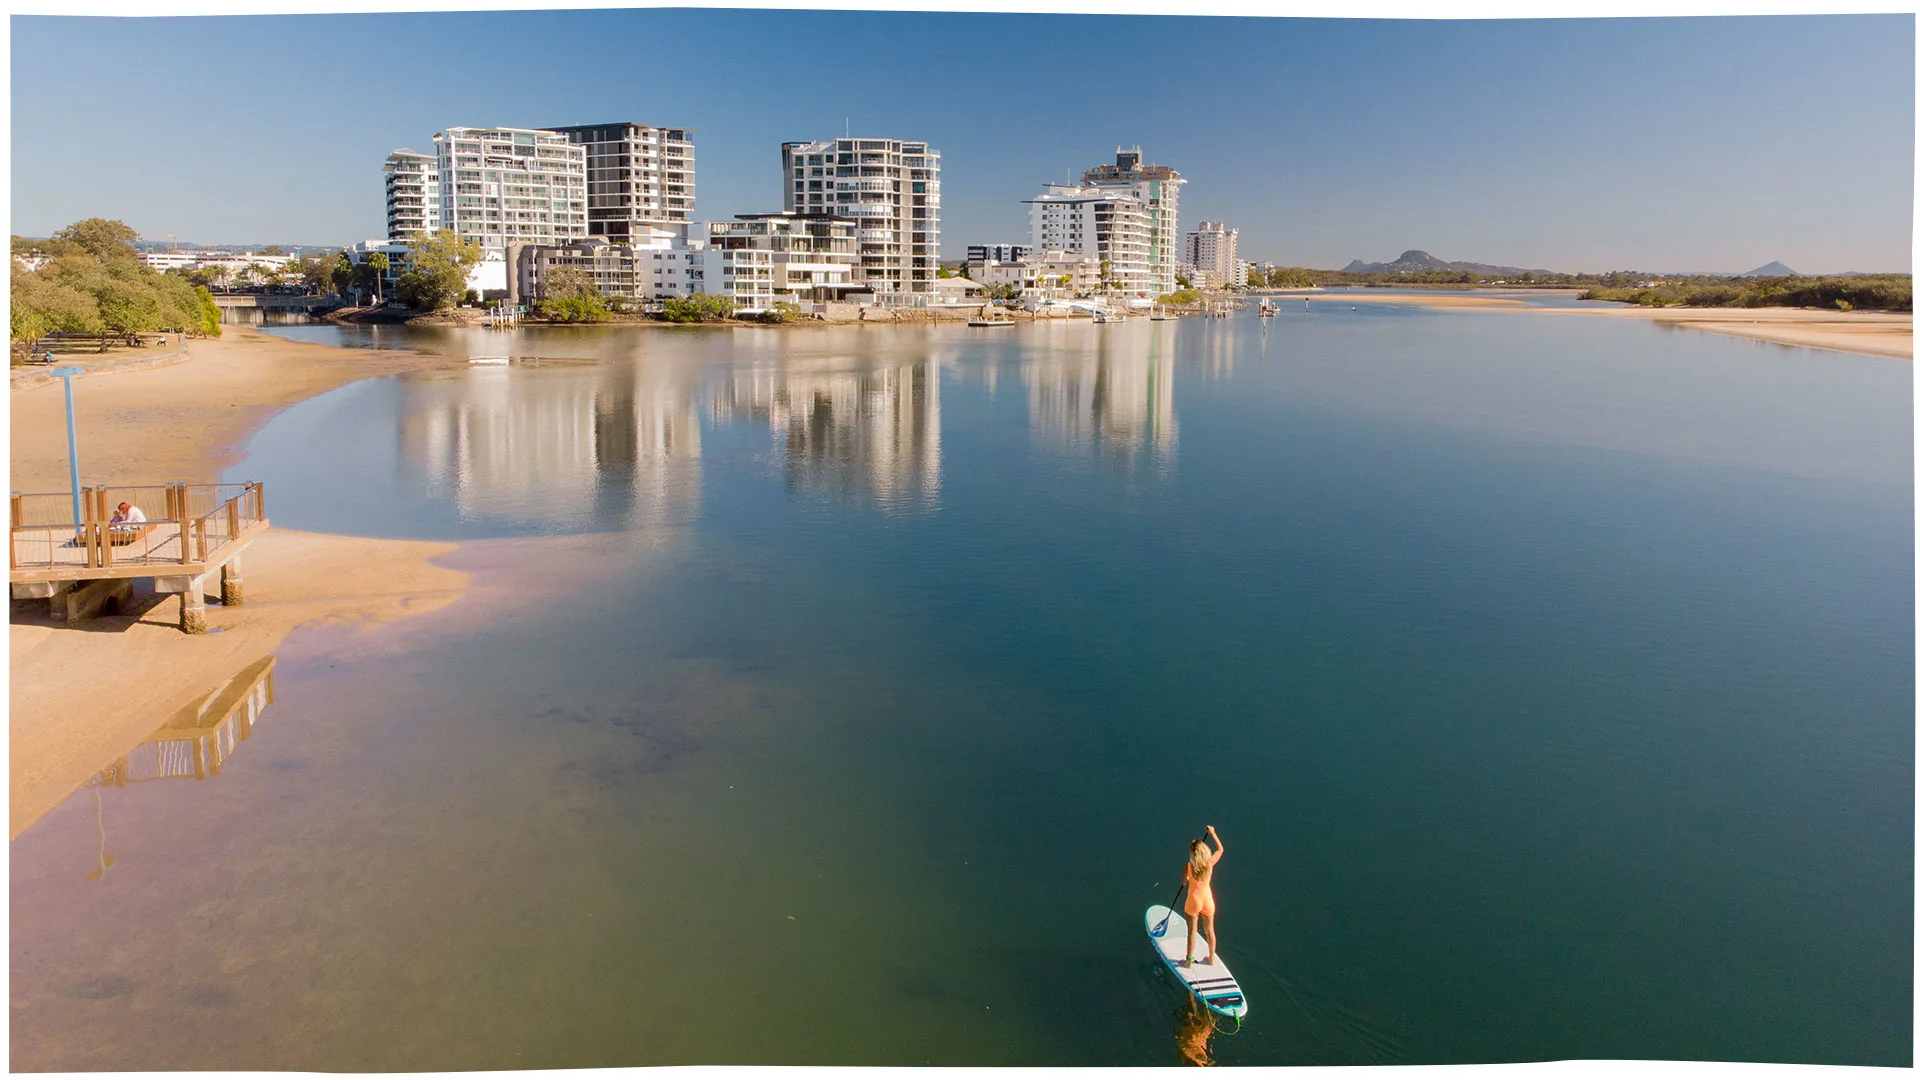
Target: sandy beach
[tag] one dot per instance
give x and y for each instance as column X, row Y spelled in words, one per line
column 82, row 696
column 1875, row 333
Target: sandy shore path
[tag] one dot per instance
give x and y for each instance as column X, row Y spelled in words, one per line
column 80, row 697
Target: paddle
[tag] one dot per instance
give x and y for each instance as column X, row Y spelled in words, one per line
column 1162, row 927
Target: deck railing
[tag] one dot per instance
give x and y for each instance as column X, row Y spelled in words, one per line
column 186, row 523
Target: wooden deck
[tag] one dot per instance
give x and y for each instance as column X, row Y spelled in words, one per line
column 191, row 531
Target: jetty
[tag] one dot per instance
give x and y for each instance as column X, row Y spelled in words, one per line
column 193, row 532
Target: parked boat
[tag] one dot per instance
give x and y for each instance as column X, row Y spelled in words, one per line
column 989, row 322
column 1267, row 310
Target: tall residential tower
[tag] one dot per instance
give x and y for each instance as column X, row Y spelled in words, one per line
column 890, row 188
column 1213, row 250
column 501, row 186
column 413, row 194
column 639, row 181
column 1157, row 189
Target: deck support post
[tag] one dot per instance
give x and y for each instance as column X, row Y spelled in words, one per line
column 193, row 607
column 233, row 588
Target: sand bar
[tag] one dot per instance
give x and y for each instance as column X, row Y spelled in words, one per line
column 80, row 697
column 1874, row 333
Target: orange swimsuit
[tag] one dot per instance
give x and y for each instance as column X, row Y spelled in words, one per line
column 1199, row 891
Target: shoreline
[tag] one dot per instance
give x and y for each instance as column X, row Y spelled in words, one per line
column 1887, row 334
column 79, row 698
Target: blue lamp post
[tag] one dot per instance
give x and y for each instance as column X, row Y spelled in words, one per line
column 66, row 374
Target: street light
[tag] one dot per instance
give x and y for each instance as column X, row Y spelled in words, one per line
column 66, row 374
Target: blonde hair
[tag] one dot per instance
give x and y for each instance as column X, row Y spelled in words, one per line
column 1197, row 860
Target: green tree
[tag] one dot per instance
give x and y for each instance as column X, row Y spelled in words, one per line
column 440, row 264
column 700, row 307
column 341, row 274
column 274, row 249
column 100, row 238
column 569, row 295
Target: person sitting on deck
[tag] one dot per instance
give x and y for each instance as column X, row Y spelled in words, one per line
column 129, row 523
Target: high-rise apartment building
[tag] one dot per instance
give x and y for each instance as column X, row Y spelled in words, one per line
column 501, row 186
column 413, row 193
column 1108, row 225
column 1157, row 189
column 1213, row 250
column 639, row 181
column 890, row 188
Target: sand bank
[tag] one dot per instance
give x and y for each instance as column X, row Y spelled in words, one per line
column 1875, row 333
column 1460, row 299
column 79, row 697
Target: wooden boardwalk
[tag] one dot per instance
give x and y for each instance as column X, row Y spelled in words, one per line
column 191, row 531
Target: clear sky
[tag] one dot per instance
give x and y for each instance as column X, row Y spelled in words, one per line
column 1585, row 144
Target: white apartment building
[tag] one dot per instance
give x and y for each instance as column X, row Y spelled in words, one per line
column 891, row 189
column 413, row 193
column 1157, row 189
column 1048, row 275
column 639, row 181
column 501, row 186
column 1111, row 227
column 762, row 259
column 1213, row 250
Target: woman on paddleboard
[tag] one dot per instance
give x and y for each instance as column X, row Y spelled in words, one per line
column 1198, row 877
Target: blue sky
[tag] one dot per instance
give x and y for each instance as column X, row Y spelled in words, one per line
column 1713, row 143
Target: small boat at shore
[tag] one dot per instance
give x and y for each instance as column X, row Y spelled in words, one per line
column 487, row 359
column 990, row 322
column 1267, row 310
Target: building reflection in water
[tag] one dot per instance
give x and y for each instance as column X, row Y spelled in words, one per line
column 1111, row 392
column 194, row 743
column 618, row 449
column 1209, row 344
column 857, row 431
column 616, row 444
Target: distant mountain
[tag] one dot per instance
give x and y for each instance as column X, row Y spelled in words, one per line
column 1419, row 262
column 1772, row 269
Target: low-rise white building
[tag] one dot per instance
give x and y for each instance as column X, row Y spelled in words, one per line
column 1045, row 275
column 488, row 278
column 762, row 259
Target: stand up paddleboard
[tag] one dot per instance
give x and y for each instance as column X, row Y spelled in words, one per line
column 1212, row 983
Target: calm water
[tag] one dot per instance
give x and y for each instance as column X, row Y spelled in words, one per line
column 1549, row 678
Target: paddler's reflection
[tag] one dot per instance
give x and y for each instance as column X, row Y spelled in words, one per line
column 1196, row 1032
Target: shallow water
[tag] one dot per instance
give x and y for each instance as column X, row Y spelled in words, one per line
column 1549, row 680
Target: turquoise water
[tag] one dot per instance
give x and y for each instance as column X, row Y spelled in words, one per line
column 843, row 696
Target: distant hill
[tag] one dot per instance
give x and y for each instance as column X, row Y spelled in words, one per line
column 1772, row 269
column 1420, row 262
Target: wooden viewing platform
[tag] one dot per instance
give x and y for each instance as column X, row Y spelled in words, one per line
column 192, row 530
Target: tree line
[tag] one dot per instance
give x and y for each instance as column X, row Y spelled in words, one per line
column 1866, row 292
column 93, row 283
